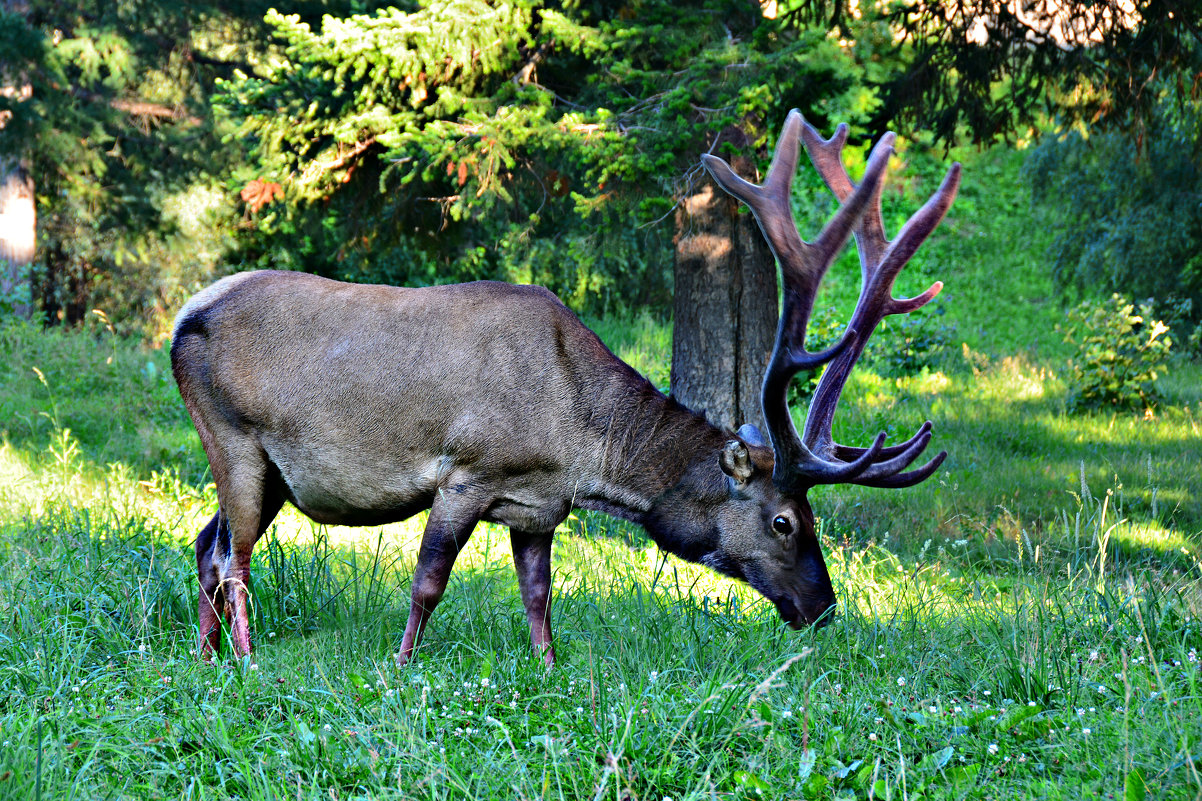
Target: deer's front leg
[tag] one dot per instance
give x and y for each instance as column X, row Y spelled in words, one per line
column 532, row 560
column 445, row 534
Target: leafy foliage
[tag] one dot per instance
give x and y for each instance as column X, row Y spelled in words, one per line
column 107, row 107
column 526, row 141
column 108, row 128
column 1083, row 60
column 1119, row 353
column 908, row 344
column 1127, row 221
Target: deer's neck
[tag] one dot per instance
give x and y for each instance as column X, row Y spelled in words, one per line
column 656, row 464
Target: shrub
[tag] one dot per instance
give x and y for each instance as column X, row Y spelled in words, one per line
column 1125, row 207
column 1119, row 353
column 1178, row 313
column 908, row 343
column 902, row 346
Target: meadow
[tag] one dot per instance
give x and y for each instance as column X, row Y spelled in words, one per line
column 1023, row 625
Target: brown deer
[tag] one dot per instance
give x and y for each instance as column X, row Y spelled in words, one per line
column 363, row 405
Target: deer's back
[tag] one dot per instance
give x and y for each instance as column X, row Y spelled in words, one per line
column 368, row 398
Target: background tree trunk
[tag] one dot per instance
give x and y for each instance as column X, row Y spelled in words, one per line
column 18, row 212
column 725, row 302
column 18, row 234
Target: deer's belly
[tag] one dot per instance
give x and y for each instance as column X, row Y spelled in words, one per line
column 353, row 489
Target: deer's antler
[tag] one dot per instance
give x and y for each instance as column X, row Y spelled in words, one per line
column 814, row 457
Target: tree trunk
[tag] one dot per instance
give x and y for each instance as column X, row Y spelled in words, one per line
column 725, row 303
column 18, row 212
column 18, row 233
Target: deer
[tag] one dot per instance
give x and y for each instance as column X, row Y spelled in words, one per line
column 364, row 405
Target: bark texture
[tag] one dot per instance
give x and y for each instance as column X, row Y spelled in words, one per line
column 725, row 304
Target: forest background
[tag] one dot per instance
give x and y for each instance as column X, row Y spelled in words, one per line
column 1025, row 621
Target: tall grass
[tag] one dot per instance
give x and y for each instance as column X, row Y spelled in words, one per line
column 955, row 674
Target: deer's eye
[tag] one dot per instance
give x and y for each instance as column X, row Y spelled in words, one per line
column 781, row 525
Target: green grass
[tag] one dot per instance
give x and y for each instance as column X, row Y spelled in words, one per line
column 1023, row 625
column 946, row 676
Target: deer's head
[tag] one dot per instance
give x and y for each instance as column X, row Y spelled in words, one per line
column 771, row 542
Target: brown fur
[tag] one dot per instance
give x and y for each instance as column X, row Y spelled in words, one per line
column 366, row 404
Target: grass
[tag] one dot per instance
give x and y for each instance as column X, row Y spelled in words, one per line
column 947, row 676
column 1025, row 624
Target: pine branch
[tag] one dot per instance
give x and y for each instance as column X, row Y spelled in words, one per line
column 140, row 108
column 143, row 108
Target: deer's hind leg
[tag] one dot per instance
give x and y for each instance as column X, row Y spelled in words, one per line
column 212, row 600
column 250, row 495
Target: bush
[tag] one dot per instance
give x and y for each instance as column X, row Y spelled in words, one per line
column 1125, row 207
column 1119, row 353
column 1178, row 313
column 901, row 346
column 908, row 343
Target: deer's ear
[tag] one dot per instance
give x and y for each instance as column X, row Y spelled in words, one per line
column 736, row 461
column 752, row 435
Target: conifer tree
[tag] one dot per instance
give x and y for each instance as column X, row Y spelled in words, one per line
column 986, row 69
column 542, row 142
column 108, row 142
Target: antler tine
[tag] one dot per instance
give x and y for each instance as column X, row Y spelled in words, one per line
column 827, row 157
column 916, row 230
column 908, row 479
column 880, row 263
column 803, row 265
column 770, row 200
